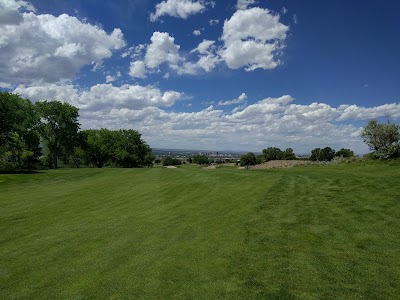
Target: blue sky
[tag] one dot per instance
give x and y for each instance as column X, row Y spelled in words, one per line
column 239, row 75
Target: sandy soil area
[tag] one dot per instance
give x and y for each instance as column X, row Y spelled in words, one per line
column 212, row 167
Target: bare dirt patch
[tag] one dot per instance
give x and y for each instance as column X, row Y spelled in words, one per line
column 212, row 167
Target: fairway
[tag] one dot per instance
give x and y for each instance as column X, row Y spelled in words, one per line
column 314, row 232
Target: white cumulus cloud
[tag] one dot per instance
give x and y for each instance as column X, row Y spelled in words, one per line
column 251, row 39
column 204, row 47
column 349, row 112
column 244, row 4
column 10, row 11
column 179, row 8
column 137, row 69
column 207, row 56
column 242, row 98
column 46, row 48
column 110, row 78
column 162, row 49
column 102, row 96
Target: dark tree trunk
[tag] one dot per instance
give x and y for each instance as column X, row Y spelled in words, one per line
column 76, row 162
column 19, row 161
column 99, row 164
column 55, row 162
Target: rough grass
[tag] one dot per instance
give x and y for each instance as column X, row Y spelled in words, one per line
column 328, row 232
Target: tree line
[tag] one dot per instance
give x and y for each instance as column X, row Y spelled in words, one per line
column 199, row 159
column 274, row 153
column 383, row 139
column 48, row 132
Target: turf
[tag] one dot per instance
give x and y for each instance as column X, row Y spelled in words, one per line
column 327, row 232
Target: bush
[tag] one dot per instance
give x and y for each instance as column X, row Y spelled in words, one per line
column 344, row 153
column 6, row 166
column 382, row 139
column 200, row 159
column 169, row 161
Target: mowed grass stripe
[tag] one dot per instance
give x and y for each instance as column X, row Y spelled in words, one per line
column 124, row 233
column 326, row 233
column 303, row 233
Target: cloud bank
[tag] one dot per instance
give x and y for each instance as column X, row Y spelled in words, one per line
column 267, row 122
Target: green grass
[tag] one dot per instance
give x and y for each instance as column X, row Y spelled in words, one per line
column 327, row 232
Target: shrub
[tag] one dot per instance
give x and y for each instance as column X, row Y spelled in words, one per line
column 169, row 161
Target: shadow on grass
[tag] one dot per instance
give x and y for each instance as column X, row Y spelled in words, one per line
column 20, row 172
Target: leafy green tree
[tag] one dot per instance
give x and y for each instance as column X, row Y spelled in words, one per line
column 288, row 154
column 248, row 159
column 316, row 154
column 272, row 153
column 200, row 159
column 382, row 139
column 59, row 128
column 123, row 148
column 97, row 146
column 149, row 158
column 344, row 153
column 16, row 149
column 259, row 159
column 130, row 150
column 10, row 117
column 19, row 137
column 76, row 156
column 325, row 154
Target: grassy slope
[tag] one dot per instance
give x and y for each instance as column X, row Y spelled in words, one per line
column 309, row 232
